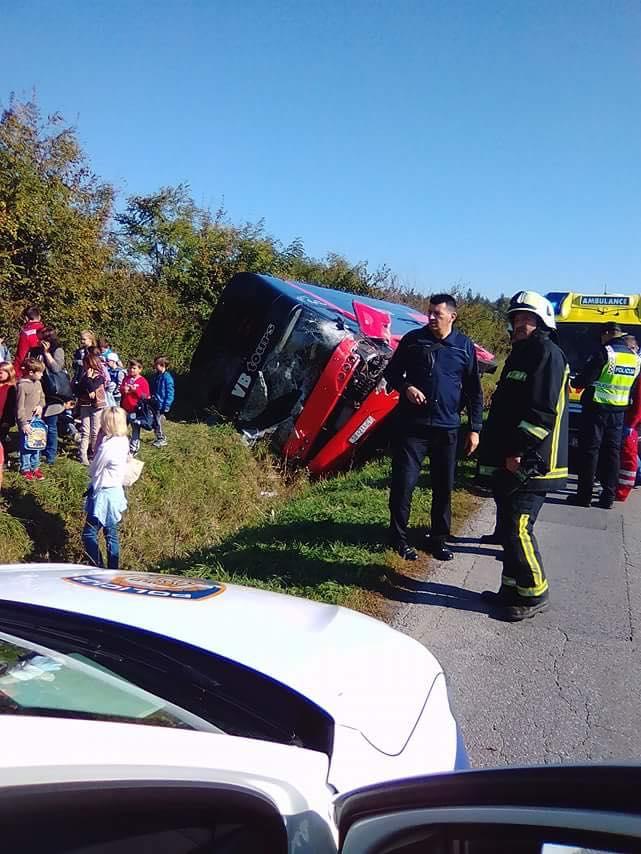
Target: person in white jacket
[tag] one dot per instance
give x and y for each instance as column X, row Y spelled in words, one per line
column 106, row 500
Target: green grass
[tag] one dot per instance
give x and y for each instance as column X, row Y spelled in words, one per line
column 208, row 506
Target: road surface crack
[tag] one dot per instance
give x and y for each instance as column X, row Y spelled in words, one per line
column 626, row 569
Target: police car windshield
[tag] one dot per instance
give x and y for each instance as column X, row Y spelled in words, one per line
column 35, row 680
column 580, row 340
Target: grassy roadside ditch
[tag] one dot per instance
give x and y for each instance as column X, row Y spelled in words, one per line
column 207, row 506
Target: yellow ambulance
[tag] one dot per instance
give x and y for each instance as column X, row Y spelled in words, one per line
column 579, row 318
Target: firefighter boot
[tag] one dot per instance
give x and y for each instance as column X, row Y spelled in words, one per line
column 503, row 597
column 524, row 607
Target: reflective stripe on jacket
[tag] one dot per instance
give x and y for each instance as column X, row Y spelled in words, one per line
column 617, row 377
column 529, row 413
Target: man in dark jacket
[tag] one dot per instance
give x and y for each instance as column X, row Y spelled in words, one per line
column 608, row 378
column 436, row 373
column 524, row 450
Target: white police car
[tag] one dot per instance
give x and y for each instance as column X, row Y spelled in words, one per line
column 86, row 787
column 196, row 654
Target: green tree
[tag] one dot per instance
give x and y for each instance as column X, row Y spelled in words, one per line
column 54, row 215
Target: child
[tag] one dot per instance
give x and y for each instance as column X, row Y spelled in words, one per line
column 106, row 500
column 5, row 354
column 162, row 396
column 91, row 401
column 67, row 424
column 7, row 406
column 105, row 349
column 134, row 388
column 116, row 376
column 87, row 340
column 7, row 399
column 28, row 337
column 30, row 403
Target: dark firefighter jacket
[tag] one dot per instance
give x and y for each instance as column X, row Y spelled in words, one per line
column 528, row 415
column 447, row 373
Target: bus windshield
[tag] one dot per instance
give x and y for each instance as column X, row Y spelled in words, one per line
column 580, row 340
column 291, row 370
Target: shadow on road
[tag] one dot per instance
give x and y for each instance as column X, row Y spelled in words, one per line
column 404, row 589
column 561, row 501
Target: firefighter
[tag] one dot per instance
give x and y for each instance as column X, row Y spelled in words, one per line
column 436, row 373
column 523, row 451
column 607, row 379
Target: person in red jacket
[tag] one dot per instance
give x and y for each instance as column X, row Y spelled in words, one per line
column 28, row 337
column 133, row 389
column 630, row 443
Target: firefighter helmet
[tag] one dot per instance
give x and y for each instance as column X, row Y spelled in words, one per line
column 537, row 304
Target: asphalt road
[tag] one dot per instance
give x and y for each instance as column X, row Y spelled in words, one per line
column 565, row 685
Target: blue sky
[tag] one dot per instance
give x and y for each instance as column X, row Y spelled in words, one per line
column 496, row 143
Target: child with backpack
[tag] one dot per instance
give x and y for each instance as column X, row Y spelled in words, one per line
column 134, row 388
column 30, row 402
column 162, row 397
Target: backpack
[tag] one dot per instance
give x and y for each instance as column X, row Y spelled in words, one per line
column 37, row 439
column 144, row 414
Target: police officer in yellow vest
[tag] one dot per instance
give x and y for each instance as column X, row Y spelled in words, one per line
column 608, row 378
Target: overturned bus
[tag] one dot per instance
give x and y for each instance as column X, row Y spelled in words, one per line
column 302, row 365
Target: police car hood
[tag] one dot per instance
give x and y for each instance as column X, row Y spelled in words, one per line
column 366, row 675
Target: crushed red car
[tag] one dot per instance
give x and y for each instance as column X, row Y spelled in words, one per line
column 302, row 365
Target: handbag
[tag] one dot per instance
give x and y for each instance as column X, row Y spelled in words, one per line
column 100, row 400
column 57, row 384
column 37, row 439
column 132, row 471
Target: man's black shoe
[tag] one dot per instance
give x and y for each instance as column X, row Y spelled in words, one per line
column 438, row 549
column 575, row 501
column 524, row 608
column 406, row 552
column 491, row 540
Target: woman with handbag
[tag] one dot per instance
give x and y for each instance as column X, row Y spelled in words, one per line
column 56, row 386
column 91, row 401
column 106, row 500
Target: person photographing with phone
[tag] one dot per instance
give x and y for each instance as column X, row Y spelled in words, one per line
column 436, row 373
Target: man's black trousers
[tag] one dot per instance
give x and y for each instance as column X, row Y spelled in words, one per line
column 439, row 444
column 522, row 563
column 601, row 433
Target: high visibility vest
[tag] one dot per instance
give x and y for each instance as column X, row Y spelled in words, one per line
column 617, row 377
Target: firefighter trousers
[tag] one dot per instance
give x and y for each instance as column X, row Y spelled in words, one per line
column 600, row 437
column 439, row 444
column 522, row 563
